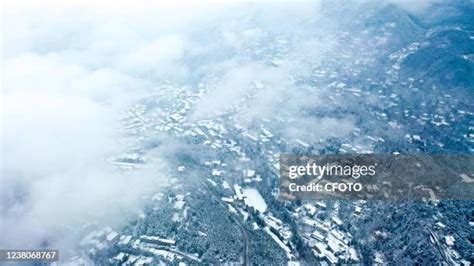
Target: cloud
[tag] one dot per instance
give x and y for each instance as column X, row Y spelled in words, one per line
column 66, row 79
column 59, row 127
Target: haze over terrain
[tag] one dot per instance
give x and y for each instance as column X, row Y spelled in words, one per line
column 70, row 72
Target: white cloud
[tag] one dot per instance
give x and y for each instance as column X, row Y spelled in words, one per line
column 66, row 78
column 59, row 125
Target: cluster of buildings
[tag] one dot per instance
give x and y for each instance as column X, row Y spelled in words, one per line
column 242, row 198
column 328, row 241
column 129, row 250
